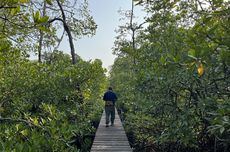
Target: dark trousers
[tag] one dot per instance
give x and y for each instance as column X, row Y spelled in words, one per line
column 109, row 112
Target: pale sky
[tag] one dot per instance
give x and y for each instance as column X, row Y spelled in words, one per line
column 106, row 16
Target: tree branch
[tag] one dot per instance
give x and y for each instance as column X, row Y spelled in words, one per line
column 55, row 19
column 59, row 40
column 7, row 7
column 19, row 120
column 67, row 29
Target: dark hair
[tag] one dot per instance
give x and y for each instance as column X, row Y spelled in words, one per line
column 110, row 88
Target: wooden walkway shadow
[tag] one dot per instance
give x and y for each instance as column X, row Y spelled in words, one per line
column 112, row 138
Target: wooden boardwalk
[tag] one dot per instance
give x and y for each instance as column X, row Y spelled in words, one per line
column 112, row 138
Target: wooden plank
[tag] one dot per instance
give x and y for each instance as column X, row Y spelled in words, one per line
column 112, row 138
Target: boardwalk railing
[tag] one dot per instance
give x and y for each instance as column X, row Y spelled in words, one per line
column 112, row 138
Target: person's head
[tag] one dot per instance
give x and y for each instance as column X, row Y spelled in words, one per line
column 110, row 88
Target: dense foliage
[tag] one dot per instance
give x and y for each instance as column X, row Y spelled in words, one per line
column 50, row 105
column 173, row 84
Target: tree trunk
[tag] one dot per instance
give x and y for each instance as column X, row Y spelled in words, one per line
column 40, row 46
column 70, row 43
column 66, row 27
column 41, row 34
column 133, row 34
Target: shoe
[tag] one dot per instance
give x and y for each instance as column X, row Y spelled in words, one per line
column 112, row 124
column 106, row 125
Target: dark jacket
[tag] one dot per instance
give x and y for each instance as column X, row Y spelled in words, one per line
column 110, row 96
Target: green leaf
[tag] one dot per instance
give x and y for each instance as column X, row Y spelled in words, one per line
column 24, row 132
column 17, row 126
column 37, row 14
column 192, row 54
column 226, row 118
column 23, row 1
column 35, row 121
column 49, row 2
column 43, row 19
column 36, row 17
column 192, row 57
column 15, row 11
column 162, row 60
column 222, row 130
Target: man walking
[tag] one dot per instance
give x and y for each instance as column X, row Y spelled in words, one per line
column 110, row 99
